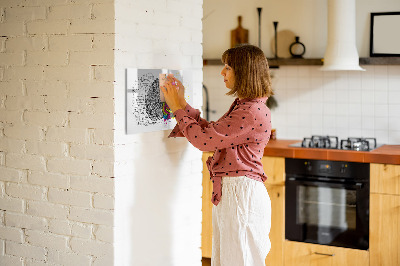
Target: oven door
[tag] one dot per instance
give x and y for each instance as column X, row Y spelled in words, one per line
column 327, row 213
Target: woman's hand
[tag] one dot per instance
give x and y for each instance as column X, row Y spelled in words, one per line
column 181, row 92
column 172, row 94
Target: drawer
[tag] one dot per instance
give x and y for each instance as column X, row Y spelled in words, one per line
column 298, row 253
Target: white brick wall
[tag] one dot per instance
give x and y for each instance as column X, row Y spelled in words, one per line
column 62, row 138
column 25, row 221
column 56, row 132
column 156, row 177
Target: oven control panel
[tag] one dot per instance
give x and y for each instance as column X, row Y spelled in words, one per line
column 337, row 169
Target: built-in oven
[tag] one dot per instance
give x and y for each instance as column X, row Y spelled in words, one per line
column 327, row 202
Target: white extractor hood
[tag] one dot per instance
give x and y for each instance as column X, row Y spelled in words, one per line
column 341, row 51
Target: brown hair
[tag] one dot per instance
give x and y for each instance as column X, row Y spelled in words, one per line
column 250, row 66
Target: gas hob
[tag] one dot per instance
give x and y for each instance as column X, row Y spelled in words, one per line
column 332, row 142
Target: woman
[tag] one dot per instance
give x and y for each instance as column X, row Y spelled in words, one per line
column 242, row 208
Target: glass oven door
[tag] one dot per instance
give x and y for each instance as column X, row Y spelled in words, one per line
column 327, row 212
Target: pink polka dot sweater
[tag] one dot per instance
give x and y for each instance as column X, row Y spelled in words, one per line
column 238, row 139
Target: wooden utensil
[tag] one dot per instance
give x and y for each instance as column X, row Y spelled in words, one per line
column 239, row 35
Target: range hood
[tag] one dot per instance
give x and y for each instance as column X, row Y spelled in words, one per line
column 341, row 51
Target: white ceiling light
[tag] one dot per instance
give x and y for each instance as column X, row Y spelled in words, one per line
column 341, row 51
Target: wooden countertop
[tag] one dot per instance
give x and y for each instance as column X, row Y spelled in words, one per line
column 389, row 154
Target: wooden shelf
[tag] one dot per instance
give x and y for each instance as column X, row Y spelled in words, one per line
column 295, row 62
column 380, row 61
column 274, row 63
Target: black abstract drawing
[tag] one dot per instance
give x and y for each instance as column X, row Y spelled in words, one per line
column 150, row 84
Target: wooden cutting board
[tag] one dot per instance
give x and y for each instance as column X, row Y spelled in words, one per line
column 239, row 35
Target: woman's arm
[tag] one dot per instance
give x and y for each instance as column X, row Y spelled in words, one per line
column 237, row 128
column 193, row 113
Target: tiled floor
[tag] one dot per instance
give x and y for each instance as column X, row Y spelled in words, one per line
column 206, row 261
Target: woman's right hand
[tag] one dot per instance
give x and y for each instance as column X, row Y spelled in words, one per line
column 181, row 91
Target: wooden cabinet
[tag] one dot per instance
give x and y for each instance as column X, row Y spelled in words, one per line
column 384, row 237
column 385, row 178
column 305, row 254
column 385, row 215
column 274, row 168
column 206, row 226
column 277, row 233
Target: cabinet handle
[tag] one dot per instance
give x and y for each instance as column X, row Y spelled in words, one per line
column 325, row 254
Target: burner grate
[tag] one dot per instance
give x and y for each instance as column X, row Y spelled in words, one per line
column 358, row 144
column 332, row 142
column 327, row 142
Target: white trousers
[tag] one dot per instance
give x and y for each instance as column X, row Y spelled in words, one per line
column 241, row 223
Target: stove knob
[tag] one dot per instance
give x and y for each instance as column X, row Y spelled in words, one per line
column 343, row 168
column 308, row 166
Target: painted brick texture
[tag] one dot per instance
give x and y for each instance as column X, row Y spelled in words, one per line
column 157, row 180
column 56, row 132
column 62, row 135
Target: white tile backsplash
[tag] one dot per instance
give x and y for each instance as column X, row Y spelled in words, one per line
column 382, row 110
column 380, row 71
column 342, row 123
column 394, row 110
column 304, row 82
column 394, row 97
column 329, row 109
column 394, row 82
column 381, row 97
column 381, row 83
column 367, row 96
column 394, row 137
column 342, row 109
column 343, row 103
column 343, row 96
column 367, row 123
column 394, row 124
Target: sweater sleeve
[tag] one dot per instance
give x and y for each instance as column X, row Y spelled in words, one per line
column 193, row 113
column 229, row 131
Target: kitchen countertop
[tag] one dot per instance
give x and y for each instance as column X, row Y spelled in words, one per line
column 389, row 154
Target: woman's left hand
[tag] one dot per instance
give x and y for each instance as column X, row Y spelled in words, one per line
column 171, row 96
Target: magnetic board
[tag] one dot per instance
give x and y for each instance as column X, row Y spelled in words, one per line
column 145, row 112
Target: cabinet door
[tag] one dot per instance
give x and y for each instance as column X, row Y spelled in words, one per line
column 274, row 168
column 384, row 229
column 277, row 233
column 385, row 178
column 304, row 254
column 206, row 226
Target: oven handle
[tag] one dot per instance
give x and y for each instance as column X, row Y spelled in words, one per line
column 324, row 254
column 357, row 185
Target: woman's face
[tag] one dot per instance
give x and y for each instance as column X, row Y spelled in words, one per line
column 229, row 76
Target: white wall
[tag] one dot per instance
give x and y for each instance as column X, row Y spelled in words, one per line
column 344, row 103
column 158, row 180
column 56, row 132
column 305, row 18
